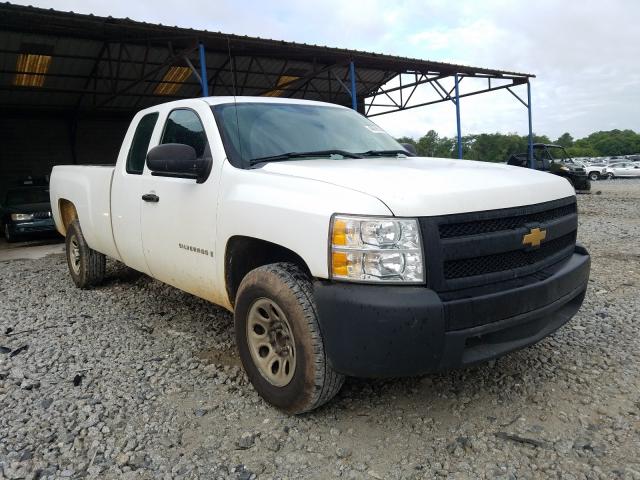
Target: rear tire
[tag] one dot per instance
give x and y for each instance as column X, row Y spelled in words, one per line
column 86, row 266
column 279, row 339
column 610, row 176
column 593, row 176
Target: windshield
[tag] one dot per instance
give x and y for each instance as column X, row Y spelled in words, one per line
column 259, row 130
column 557, row 153
column 27, row 195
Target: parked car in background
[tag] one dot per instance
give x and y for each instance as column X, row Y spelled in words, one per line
column 594, row 172
column 554, row 159
column 623, row 169
column 26, row 211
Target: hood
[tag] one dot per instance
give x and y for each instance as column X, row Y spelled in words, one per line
column 28, row 208
column 417, row 186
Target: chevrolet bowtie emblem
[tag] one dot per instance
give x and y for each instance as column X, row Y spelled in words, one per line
column 534, row 238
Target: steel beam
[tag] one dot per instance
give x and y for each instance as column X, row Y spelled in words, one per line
column 458, row 117
column 531, row 161
column 477, row 92
column 203, row 71
column 352, row 74
column 171, row 57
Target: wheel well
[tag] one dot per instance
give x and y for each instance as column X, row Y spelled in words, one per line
column 243, row 254
column 68, row 213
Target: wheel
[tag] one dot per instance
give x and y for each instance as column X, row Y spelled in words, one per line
column 610, row 176
column 593, row 176
column 9, row 237
column 86, row 266
column 583, row 184
column 279, row 339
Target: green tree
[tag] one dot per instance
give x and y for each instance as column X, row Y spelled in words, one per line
column 566, row 140
column 428, row 144
column 406, row 140
column 497, row 147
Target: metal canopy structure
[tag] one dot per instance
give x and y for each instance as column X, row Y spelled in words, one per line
column 84, row 64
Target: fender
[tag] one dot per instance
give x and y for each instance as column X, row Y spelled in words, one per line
column 292, row 214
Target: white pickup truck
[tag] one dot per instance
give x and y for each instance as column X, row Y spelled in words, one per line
column 338, row 251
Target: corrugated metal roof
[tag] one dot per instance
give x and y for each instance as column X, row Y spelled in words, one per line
column 105, row 63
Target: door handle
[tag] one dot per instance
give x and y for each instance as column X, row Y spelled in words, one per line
column 150, row 197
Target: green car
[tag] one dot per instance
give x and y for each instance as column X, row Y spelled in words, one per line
column 26, row 211
column 554, row 159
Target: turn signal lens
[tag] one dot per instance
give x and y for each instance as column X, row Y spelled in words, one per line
column 339, row 261
column 339, row 236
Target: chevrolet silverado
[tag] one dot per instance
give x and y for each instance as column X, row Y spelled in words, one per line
column 338, row 251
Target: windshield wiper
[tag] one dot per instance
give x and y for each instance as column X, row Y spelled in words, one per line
column 293, row 155
column 385, row 153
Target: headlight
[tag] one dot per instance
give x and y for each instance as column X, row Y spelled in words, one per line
column 371, row 249
column 21, row 217
column 565, row 169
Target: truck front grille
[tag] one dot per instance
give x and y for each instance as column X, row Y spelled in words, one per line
column 474, row 249
column 499, row 262
column 476, row 227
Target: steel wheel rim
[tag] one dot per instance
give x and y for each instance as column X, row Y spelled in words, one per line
column 74, row 255
column 271, row 342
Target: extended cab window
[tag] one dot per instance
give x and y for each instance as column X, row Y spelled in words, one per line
column 140, row 144
column 184, row 126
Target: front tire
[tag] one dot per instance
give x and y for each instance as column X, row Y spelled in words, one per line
column 584, row 185
column 593, row 176
column 610, row 176
column 9, row 237
column 86, row 266
column 279, row 339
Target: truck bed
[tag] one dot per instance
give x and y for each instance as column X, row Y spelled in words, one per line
column 88, row 187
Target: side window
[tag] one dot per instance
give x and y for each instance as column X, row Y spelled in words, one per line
column 184, row 126
column 140, row 144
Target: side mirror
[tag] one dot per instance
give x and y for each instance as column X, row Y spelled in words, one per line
column 410, row 147
column 176, row 160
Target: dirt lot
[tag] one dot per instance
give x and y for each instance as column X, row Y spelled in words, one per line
column 138, row 380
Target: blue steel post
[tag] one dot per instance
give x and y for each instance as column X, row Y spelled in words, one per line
column 203, row 72
column 352, row 74
column 458, row 119
column 531, row 162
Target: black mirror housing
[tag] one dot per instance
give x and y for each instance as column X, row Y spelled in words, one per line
column 410, row 147
column 172, row 157
column 177, row 160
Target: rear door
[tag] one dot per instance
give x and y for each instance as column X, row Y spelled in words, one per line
column 621, row 170
column 129, row 183
column 178, row 231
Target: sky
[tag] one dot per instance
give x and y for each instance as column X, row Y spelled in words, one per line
column 585, row 54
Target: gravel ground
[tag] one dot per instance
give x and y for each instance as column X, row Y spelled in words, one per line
column 138, row 380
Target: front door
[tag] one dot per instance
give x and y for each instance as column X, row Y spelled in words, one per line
column 179, row 215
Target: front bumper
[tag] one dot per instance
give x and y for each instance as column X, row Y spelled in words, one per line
column 382, row 331
column 31, row 227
